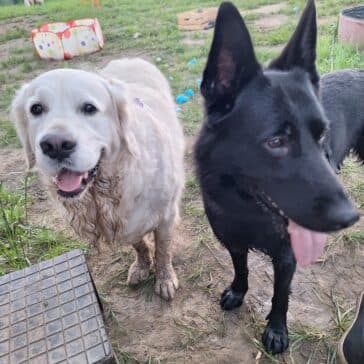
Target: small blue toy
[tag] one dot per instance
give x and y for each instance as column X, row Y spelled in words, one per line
column 189, row 92
column 181, row 99
column 192, row 61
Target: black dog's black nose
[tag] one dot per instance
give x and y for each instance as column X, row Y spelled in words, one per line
column 57, row 146
column 343, row 216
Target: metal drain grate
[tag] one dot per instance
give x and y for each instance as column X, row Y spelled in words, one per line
column 49, row 313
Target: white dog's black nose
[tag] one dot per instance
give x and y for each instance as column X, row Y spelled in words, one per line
column 57, row 146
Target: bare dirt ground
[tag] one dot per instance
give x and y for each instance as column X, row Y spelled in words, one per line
column 193, row 328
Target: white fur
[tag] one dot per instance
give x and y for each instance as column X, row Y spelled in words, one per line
column 140, row 179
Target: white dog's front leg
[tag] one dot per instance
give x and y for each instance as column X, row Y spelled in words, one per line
column 166, row 279
column 140, row 269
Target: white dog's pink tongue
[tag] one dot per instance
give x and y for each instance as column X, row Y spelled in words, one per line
column 68, row 181
column 307, row 245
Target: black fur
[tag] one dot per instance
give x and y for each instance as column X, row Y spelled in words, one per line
column 267, row 138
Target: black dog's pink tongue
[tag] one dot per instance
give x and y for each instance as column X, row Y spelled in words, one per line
column 69, row 181
column 307, row 245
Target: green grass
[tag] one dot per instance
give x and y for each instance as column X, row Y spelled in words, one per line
column 13, row 34
column 190, row 333
column 8, row 135
column 22, row 243
column 128, row 358
column 8, row 92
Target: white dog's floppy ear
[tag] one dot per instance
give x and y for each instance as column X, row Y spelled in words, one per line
column 124, row 115
column 19, row 118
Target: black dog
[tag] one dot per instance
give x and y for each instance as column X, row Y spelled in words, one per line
column 267, row 153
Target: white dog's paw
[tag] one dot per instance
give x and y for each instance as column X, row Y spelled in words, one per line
column 166, row 283
column 137, row 273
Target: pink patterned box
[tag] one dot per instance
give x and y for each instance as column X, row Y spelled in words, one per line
column 57, row 41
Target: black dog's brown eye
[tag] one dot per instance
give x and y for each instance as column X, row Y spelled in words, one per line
column 36, row 109
column 277, row 145
column 89, row 109
column 276, row 142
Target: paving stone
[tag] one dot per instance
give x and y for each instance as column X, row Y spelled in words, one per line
column 49, row 313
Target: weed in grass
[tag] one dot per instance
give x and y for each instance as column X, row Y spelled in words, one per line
column 342, row 315
column 21, row 243
column 3, row 77
column 14, row 60
column 111, row 318
column 128, row 358
column 147, row 287
column 26, row 67
column 8, row 135
column 118, row 278
column 191, row 187
column 7, row 94
column 196, row 276
column 125, row 357
column 190, row 334
column 14, row 34
column 194, row 209
column 310, row 337
column 355, row 238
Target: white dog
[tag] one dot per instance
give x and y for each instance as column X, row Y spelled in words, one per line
column 110, row 149
column 33, row 2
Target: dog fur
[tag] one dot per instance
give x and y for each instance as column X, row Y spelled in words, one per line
column 135, row 140
column 267, row 153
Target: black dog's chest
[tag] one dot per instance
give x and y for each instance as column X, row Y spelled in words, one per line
column 243, row 223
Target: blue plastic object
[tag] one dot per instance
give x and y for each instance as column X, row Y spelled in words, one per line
column 192, row 61
column 189, row 92
column 181, row 99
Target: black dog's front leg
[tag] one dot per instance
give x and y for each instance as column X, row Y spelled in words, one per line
column 233, row 296
column 275, row 337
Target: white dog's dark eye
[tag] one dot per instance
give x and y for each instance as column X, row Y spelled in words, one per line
column 36, row 109
column 89, row 109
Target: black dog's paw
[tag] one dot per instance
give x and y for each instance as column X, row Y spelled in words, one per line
column 230, row 299
column 275, row 339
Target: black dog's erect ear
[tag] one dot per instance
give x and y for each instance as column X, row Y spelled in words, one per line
column 231, row 62
column 301, row 49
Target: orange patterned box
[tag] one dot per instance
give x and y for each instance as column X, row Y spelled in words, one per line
column 57, row 41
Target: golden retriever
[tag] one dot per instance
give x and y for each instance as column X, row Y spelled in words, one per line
column 109, row 148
